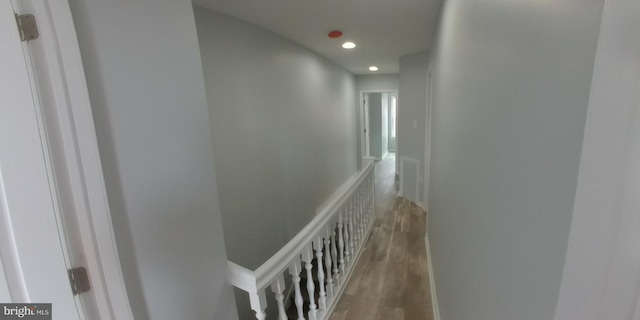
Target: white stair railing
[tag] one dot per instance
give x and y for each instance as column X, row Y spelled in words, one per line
column 337, row 234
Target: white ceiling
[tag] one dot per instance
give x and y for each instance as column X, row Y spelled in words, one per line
column 383, row 30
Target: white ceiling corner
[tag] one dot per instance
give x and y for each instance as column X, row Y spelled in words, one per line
column 383, row 30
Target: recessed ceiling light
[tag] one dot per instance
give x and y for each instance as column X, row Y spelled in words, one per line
column 348, row 45
column 373, row 68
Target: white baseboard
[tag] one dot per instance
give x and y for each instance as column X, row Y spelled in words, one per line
column 434, row 296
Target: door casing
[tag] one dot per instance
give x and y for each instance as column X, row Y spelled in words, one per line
column 78, row 228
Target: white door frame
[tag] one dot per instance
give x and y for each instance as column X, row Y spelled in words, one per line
column 30, row 252
column 364, row 120
column 427, row 149
column 393, row 96
column 601, row 277
column 72, row 159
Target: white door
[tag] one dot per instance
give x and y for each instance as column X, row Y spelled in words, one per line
column 33, row 259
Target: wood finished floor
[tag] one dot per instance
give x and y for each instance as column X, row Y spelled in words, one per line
column 391, row 281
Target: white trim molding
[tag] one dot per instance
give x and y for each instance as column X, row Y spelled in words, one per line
column 432, row 282
column 72, row 152
column 404, row 159
column 361, row 136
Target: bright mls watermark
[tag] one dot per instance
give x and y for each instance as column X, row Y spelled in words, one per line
column 29, row 311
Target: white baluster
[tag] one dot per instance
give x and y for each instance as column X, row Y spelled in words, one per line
column 362, row 213
column 258, row 304
column 353, row 225
column 334, row 250
column 322, row 298
column 357, row 206
column 363, row 210
column 356, row 226
column 294, row 270
column 365, row 204
column 367, row 194
column 358, row 223
column 307, row 257
column 328, row 260
column 341, row 244
column 372, row 195
column 278, row 288
column 348, row 236
column 366, row 198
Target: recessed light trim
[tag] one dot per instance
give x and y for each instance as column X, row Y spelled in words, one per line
column 373, row 68
column 348, row 45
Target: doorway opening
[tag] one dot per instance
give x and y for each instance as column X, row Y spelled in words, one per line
column 378, row 123
column 378, row 114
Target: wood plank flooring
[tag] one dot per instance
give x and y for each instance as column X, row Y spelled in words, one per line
column 391, row 280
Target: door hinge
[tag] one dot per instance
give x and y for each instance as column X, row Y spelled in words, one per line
column 79, row 279
column 27, row 26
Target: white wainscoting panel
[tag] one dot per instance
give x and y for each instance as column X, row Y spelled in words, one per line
column 409, row 173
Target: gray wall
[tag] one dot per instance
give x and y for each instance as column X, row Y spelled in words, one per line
column 284, row 132
column 412, row 101
column 146, row 88
column 511, row 85
column 381, row 82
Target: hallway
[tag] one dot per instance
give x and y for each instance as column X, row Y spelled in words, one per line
column 390, row 281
